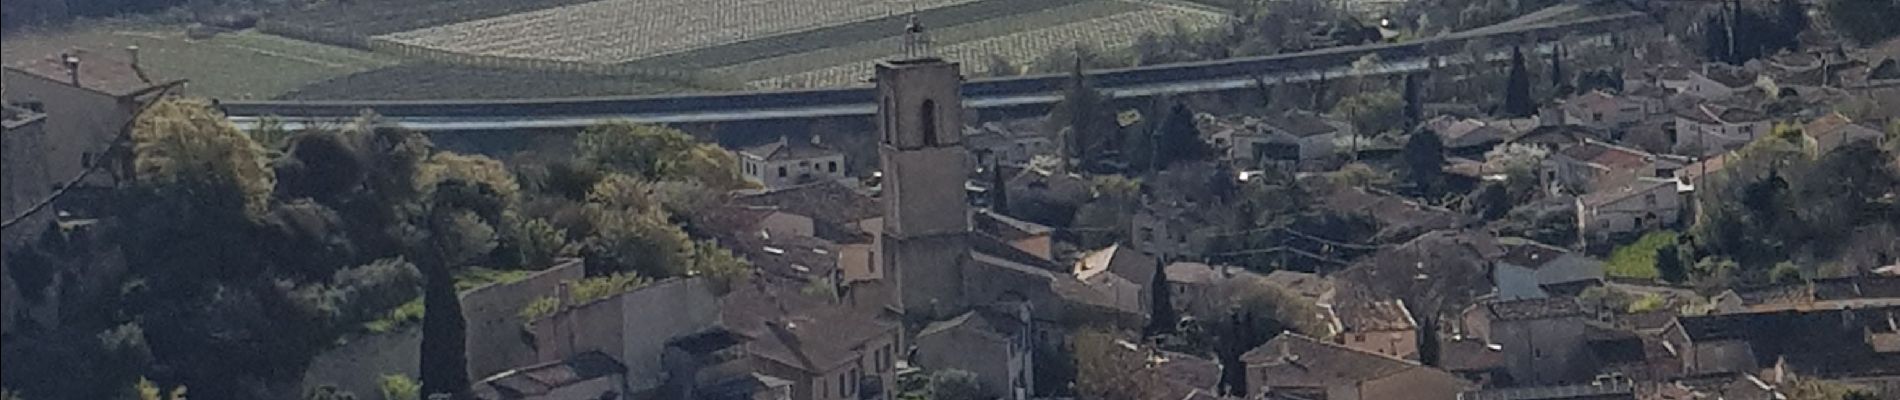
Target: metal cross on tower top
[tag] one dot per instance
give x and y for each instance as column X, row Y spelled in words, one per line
column 916, row 44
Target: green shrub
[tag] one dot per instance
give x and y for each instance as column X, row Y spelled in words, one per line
column 401, row 387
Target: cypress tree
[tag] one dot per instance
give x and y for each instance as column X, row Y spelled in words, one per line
column 1517, row 88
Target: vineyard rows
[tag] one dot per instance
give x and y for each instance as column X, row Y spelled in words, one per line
column 612, row 31
column 1112, row 32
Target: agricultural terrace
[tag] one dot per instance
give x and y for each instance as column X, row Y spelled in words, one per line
column 1019, row 47
column 352, row 23
column 613, row 31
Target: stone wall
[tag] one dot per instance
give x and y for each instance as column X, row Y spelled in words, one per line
column 359, row 365
column 495, row 328
column 633, row 327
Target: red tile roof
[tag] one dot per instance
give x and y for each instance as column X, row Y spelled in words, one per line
column 98, row 71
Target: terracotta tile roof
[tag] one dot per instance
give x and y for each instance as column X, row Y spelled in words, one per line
column 1292, row 360
column 1006, row 228
column 1378, row 316
column 98, row 71
column 1608, row 196
column 1616, row 158
column 797, row 330
column 1469, row 355
column 1305, row 284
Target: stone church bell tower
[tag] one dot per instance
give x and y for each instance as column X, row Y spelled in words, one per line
column 926, row 216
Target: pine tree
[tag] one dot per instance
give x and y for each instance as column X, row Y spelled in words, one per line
column 1176, row 138
column 1414, row 106
column 1517, row 88
column 999, row 189
column 1424, row 158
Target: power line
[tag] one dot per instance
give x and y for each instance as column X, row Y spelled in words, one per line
column 125, row 133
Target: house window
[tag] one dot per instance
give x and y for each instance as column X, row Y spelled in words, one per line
column 1597, row 117
column 929, row 115
column 1649, row 199
column 781, row 172
column 832, row 167
column 853, row 386
column 842, row 387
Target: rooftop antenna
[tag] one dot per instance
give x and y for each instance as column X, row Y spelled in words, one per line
column 916, row 44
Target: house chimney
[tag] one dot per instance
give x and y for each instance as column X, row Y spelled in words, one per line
column 560, row 297
column 132, row 55
column 816, row 140
column 72, row 66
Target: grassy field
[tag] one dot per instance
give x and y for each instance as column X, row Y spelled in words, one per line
column 418, row 81
column 239, row 65
column 613, row 31
column 1638, row 260
column 1032, row 36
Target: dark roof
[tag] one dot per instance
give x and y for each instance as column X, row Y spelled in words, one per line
column 1823, row 343
column 1187, row 370
column 706, row 342
column 1438, row 273
column 1590, row 391
column 1529, row 309
column 1120, row 260
column 1608, row 155
column 1861, row 287
column 1006, row 228
column 1530, row 254
column 1302, row 124
column 786, row 149
column 996, row 320
column 1731, row 77
column 98, row 72
column 826, row 201
column 1399, row 218
column 801, row 331
column 740, row 388
column 543, row 378
column 788, row 257
column 1613, row 346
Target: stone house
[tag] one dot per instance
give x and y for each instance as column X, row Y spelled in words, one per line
column 825, row 210
column 1203, row 290
column 1290, row 136
column 89, row 97
column 787, row 163
column 1834, row 130
column 828, row 351
column 590, row 375
column 633, row 328
column 1296, row 364
column 1593, row 165
column 1169, row 229
column 1124, row 275
column 1713, row 83
column 994, row 342
column 1709, row 129
column 1011, row 142
column 1543, row 340
column 23, row 165
column 1641, row 205
column 1607, row 112
column 1383, row 327
column 1528, row 267
column 1856, row 346
column 1030, row 237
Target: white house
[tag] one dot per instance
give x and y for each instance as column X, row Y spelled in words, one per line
column 1607, row 112
column 1528, row 267
column 1709, row 129
column 1643, row 204
column 786, row 163
column 1301, row 134
column 1714, row 83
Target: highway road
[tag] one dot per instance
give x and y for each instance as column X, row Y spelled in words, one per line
column 1179, row 78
